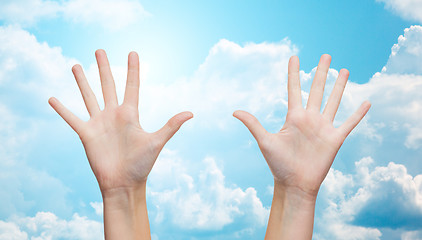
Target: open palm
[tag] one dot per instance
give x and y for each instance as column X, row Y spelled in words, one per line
column 302, row 152
column 120, row 152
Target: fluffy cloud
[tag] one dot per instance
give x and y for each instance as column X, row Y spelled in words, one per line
column 10, row 231
column 360, row 205
column 407, row 9
column 107, row 13
column 394, row 93
column 38, row 71
column 252, row 77
column 98, row 207
column 22, row 187
column 33, row 69
column 389, row 197
column 397, row 106
column 412, row 235
column 204, row 202
column 29, row 70
column 406, row 54
column 46, row 225
column 27, row 12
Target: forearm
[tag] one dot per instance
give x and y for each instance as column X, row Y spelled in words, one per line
column 125, row 213
column 291, row 216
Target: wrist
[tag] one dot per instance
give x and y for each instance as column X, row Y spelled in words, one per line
column 125, row 213
column 292, row 213
column 124, row 198
column 295, row 197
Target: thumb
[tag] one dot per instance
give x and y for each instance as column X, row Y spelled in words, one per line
column 172, row 126
column 257, row 130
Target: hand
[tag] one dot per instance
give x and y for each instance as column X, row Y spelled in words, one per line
column 120, row 152
column 301, row 153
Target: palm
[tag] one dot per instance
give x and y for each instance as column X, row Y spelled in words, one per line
column 117, row 147
column 120, row 152
column 302, row 152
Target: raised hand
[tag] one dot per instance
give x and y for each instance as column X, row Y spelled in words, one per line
column 121, row 154
column 302, row 152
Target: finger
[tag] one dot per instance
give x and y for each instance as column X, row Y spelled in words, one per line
column 87, row 94
column 317, row 88
column 257, row 130
column 353, row 120
column 293, row 84
column 107, row 82
column 335, row 96
column 132, row 83
column 172, row 126
column 74, row 122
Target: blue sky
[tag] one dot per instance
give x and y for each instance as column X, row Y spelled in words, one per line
column 211, row 58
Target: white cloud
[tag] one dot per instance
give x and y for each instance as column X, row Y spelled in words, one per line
column 359, row 205
column 46, row 225
column 412, row 235
column 34, row 69
column 27, row 12
column 10, row 231
column 407, row 9
column 393, row 198
column 203, row 202
column 406, row 54
column 31, row 72
column 335, row 230
column 38, row 71
column 336, row 190
column 106, row 13
column 252, row 77
column 396, row 106
column 394, row 93
column 98, row 207
column 22, row 187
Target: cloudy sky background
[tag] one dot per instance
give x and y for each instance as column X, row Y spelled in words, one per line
column 211, row 58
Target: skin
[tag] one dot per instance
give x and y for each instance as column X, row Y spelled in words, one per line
column 121, row 154
column 302, row 152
